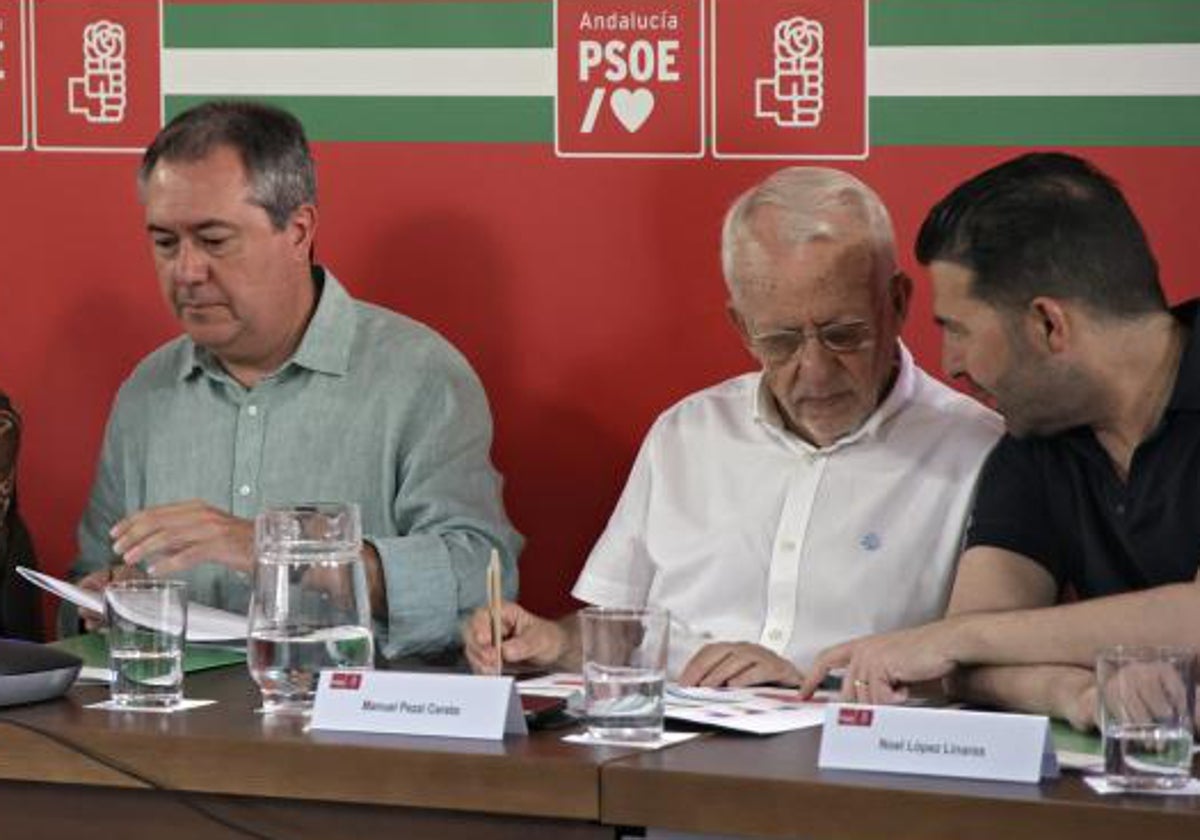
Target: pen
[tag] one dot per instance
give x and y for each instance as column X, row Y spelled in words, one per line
column 494, row 596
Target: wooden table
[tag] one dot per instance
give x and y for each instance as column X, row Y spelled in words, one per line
column 268, row 775
column 771, row 787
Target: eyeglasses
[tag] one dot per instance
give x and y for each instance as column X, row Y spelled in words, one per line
column 778, row 346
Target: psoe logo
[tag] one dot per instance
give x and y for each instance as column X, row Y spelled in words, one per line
column 855, row 717
column 345, row 681
column 630, row 78
column 100, row 93
column 794, row 96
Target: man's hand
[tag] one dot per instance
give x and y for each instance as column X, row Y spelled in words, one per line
column 1075, row 700
column 879, row 669
column 738, row 664
column 97, row 582
column 173, row 538
column 526, row 638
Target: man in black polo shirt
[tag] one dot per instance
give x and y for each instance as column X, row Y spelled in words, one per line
column 1086, row 527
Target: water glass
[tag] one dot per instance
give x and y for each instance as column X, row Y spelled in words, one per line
column 147, row 619
column 1146, row 697
column 624, row 667
column 310, row 608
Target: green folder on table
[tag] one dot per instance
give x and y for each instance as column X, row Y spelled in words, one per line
column 92, row 648
column 1066, row 738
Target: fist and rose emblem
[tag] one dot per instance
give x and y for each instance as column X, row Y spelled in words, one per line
column 100, row 94
column 792, row 96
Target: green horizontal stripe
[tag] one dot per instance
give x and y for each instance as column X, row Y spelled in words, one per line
column 895, row 121
column 530, row 24
column 948, row 22
column 1018, row 120
column 359, row 25
column 452, row 119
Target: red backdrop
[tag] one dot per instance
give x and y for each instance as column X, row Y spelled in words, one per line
column 586, row 293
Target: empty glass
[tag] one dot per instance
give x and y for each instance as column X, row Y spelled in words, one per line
column 310, row 608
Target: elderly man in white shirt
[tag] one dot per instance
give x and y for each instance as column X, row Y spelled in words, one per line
column 818, row 499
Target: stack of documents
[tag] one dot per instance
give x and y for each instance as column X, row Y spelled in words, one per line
column 204, row 623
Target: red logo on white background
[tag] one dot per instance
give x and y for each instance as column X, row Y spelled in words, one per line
column 855, row 717
column 95, row 72
column 789, row 78
column 345, row 680
column 13, row 117
column 630, row 78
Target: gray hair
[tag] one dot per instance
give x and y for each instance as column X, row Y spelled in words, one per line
column 810, row 198
column 269, row 140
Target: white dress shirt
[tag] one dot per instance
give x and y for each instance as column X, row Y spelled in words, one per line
column 747, row 533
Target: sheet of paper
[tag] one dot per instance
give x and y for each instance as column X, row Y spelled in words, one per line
column 759, row 710
column 1101, row 786
column 552, row 685
column 667, row 739
column 94, row 674
column 205, row 624
column 182, row 706
column 1084, row 762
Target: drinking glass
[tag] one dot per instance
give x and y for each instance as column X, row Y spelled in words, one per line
column 147, row 619
column 1145, row 696
column 624, row 667
column 310, row 608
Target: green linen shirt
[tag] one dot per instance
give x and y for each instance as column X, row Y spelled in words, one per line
column 372, row 408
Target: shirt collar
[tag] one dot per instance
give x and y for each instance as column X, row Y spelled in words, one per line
column 325, row 347
column 1186, row 396
column 766, row 411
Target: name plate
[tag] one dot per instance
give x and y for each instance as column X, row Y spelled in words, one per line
column 403, row 703
column 938, row 742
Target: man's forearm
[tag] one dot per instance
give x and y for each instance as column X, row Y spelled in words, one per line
column 1072, row 634
column 1056, row 690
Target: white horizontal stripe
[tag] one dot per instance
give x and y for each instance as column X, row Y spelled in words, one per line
column 359, row 72
column 1084, row 70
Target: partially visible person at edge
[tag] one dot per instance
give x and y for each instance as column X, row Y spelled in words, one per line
column 20, row 602
column 1086, row 529
column 816, row 499
column 284, row 388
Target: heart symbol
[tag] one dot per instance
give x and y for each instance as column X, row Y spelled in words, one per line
column 632, row 107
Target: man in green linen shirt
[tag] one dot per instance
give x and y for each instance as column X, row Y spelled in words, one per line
column 286, row 389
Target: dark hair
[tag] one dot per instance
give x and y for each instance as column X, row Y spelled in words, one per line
column 1045, row 223
column 269, row 140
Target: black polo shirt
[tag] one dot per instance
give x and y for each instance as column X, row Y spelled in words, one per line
column 1059, row 501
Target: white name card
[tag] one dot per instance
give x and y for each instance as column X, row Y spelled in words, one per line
column 938, row 742
column 403, row 703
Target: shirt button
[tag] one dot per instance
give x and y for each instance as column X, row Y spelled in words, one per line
column 1120, row 509
column 244, row 490
column 787, row 545
column 252, row 411
column 775, row 635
